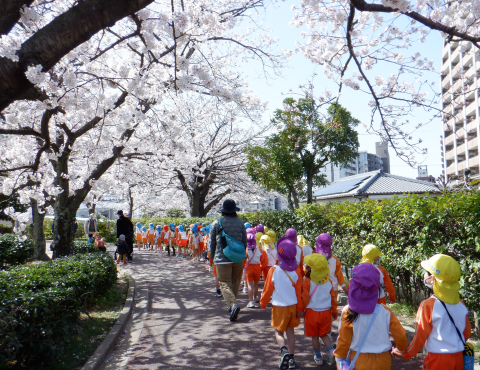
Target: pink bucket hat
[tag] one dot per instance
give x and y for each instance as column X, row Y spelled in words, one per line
column 251, row 241
column 260, row 229
column 292, row 235
column 324, row 245
column 363, row 291
column 287, row 251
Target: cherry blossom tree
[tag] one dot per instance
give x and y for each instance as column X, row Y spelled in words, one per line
column 353, row 39
column 98, row 102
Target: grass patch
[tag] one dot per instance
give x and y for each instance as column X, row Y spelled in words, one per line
column 405, row 312
column 93, row 327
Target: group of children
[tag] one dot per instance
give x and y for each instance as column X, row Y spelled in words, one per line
column 175, row 240
column 303, row 283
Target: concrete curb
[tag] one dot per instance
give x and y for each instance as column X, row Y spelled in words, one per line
column 96, row 361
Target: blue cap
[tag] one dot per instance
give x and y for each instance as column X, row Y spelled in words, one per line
column 121, row 236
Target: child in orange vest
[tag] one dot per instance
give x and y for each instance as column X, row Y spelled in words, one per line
column 443, row 339
column 320, row 305
column 138, row 235
column 371, row 254
column 292, row 235
column 167, row 240
column 182, row 240
column 362, row 308
column 271, row 252
column 284, row 286
column 158, row 239
column 150, row 236
column 144, row 238
column 256, row 259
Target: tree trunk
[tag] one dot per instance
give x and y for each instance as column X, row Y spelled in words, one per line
column 63, row 236
column 294, row 195
column 195, row 203
column 290, row 201
column 309, row 188
column 38, row 232
column 130, row 202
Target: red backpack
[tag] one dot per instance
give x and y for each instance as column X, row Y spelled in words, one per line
column 100, row 243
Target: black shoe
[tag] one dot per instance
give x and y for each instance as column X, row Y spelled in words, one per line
column 235, row 311
column 291, row 363
column 285, row 358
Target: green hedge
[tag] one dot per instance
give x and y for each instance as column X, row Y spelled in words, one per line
column 39, row 304
column 14, row 251
column 107, row 229
column 407, row 230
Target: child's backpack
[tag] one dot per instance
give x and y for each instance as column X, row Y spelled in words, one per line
column 100, row 243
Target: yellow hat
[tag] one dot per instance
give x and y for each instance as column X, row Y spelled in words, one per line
column 320, row 271
column 266, row 242
column 369, row 253
column 265, row 229
column 301, row 241
column 257, row 238
column 447, row 274
column 272, row 235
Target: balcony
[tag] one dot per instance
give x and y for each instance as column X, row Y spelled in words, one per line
column 472, row 126
column 446, row 99
column 462, row 165
column 467, row 60
column 451, row 169
column 473, row 144
column 457, row 85
column 446, row 83
column 461, row 149
column 454, row 52
column 457, row 70
column 449, row 139
column 450, row 154
column 473, row 162
column 471, row 109
column 459, row 134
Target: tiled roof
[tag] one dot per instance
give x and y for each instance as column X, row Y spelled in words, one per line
column 391, row 184
column 375, row 182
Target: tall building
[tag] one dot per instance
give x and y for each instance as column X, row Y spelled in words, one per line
column 422, row 171
column 381, row 149
column 460, row 101
column 364, row 162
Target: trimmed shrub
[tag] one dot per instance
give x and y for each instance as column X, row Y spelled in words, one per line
column 4, row 229
column 40, row 303
column 14, row 251
column 82, row 247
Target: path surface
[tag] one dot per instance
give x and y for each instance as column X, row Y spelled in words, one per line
column 188, row 328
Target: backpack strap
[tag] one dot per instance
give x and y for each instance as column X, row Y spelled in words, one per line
column 314, row 290
column 289, row 277
column 362, row 342
column 453, row 322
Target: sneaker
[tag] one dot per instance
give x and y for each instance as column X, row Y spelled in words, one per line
column 318, row 359
column 117, row 262
column 245, row 290
column 251, row 305
column 235, row 311
column 124, row 262
column 184, row 256
column 256, row 300
column 331, row 358
column 229, row 309
column 285, row 358
column 291, row 363
column 218, row 295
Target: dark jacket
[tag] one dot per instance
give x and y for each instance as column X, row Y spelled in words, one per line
column 125, row 227
column 232, row 226
column 122, row 246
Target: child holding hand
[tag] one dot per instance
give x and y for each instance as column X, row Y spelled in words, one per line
column 284, row 286
column 320, row 305
column 256, row 259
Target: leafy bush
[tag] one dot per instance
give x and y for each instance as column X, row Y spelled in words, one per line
column 40, row 303
column 4, row 229
column 175, row 213
column 82, row 247
column 14, row 251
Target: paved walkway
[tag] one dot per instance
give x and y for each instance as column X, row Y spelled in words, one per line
column 188, row 328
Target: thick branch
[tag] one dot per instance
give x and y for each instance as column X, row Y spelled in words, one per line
column 10, row 13
column 51, row 43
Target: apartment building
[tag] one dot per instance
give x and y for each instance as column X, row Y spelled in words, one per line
column 460, row 101
column 364, row 162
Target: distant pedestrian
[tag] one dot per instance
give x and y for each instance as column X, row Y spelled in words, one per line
column 229, row 274
column 122, row 249
column 90, row 225
column 284, row 286
column 125, row 227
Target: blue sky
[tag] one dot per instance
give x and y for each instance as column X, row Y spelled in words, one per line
column 300, row 70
